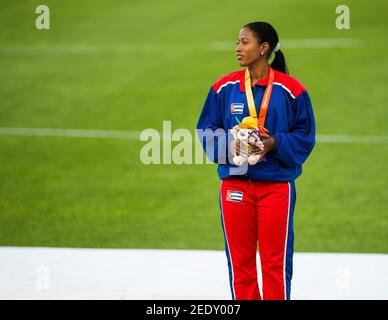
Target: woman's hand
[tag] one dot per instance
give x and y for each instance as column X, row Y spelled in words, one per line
column 235, row 149
column 269, row 144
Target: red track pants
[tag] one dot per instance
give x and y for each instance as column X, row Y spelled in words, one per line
column 258, row 214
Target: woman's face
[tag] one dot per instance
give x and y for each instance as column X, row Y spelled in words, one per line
column 248, row 49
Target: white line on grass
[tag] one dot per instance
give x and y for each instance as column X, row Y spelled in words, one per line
column 327, row 43
column 134, row 135
column 69, row 133
column 77, row 48
column 95, row 48
column 368, row 139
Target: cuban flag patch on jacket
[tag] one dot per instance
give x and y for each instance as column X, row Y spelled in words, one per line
column 237, row 108
column 235, row 196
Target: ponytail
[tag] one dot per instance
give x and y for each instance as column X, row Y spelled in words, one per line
column 279, row 62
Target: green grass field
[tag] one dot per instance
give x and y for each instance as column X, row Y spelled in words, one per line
column 129, row 65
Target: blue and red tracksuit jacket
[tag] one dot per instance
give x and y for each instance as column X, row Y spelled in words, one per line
column 290, row 121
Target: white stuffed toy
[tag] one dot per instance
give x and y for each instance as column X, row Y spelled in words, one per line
column 249, row 135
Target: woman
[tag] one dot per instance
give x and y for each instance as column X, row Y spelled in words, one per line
column 257, row 202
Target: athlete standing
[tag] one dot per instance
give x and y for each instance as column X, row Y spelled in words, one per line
column 257, row 203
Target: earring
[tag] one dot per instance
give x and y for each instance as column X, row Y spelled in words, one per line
column 262, row 53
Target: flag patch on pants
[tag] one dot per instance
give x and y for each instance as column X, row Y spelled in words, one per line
column 235, row 196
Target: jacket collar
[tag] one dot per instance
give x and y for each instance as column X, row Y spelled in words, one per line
column 262, row 82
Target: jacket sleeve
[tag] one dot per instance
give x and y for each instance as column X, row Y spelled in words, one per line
column 210, row 129
column 294, row 147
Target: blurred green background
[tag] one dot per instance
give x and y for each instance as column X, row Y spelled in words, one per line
column 129, row 65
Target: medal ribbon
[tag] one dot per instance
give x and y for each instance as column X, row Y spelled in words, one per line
column 264, row 101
